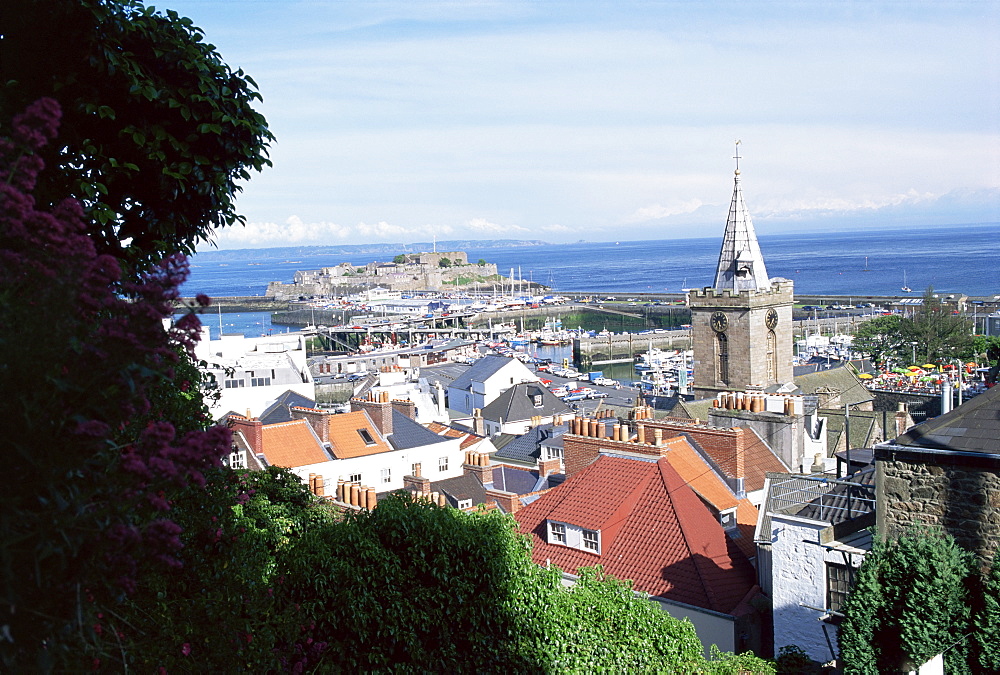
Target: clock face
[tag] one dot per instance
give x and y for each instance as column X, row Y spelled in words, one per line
column 719, row 322
column 771, row 319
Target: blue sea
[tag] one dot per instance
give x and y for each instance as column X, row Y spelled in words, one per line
column 951, row 259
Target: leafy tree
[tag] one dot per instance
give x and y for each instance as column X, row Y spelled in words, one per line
column 444, row 262
column 399, row 259
column 939, row 334
column 97, row 458
column 481, row 262
column 909, row 603
column 157, row 130
column 986, row 642
column 446, row 591
column 880, row 338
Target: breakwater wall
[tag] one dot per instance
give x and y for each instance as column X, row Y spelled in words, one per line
column 249, row 303
column 624, row 347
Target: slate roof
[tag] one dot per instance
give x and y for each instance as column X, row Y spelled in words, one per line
column 525, row 448
column 692, row 410
column 758, row 458
column 517, row 404
column 654, row 530
column 409, row 434
column 864, row 427
column 292, row 444
column 345, row 439
column 461, row 488
column 973, row 426
column 482, row 370
column 840, row 379
column 279, row 410
column 741, row 265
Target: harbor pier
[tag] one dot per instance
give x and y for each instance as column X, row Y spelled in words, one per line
column 625, row 347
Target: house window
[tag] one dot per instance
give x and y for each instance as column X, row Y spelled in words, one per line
column 553, row 453
column 354, row 478
column 557, row 533
column 366, row 437
column 465, row 504
column 415, row 469
column 591, row 540
column 236, row 460
column 839, row 579
column 728, row 519
column 386, row 475
column 260, row 381
column 235, row 384
column 442, row 464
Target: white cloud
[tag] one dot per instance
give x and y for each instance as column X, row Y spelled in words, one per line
column 559, row 229
column 292, row 231
column 793, row 209
column 482, row 225
column 656, row 211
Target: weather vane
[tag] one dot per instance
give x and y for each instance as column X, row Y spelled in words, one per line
column 737, row 157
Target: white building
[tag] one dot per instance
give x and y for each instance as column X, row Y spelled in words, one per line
column 811, row 539
column 253, row 372
column 483, row 383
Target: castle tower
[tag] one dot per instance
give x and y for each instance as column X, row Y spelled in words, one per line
column 741, row 326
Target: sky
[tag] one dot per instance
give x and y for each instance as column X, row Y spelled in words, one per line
column 604, row 121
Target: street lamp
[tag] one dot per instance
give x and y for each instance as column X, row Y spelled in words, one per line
column 913, row 348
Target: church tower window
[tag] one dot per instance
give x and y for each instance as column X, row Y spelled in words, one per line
column 772, row 356
column 722, row 358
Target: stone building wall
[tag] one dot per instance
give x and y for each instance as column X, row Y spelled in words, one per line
column 747, row 333
column 964, row 500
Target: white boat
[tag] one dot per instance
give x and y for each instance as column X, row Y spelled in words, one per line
column 906, row 289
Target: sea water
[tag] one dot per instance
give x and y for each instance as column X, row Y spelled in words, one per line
column 951, row 259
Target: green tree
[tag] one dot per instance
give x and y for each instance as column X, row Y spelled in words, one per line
column 157, row 131
column 481, row 262
column 986, row 641
column 399, row 259
column 444, row 262
column 880, row 339
column 909, row 603
column 939, row 334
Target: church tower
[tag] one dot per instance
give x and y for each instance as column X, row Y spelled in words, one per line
column 741, row 326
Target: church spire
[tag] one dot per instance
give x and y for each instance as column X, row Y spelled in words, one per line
column 741, row 266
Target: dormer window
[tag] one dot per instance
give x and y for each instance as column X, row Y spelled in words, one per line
column 728, row 519
column 366, row 436
column 566, row 534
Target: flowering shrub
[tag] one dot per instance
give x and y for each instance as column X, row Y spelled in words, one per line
column 87, row 368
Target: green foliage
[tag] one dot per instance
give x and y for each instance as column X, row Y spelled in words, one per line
column 444, row 262
column 939, row 334
column 217, row 613
column 481, row 262
column 985, row 640
column 880, row 338
column 793, row 660
column 157, row 130
column 399, row 259
column 909, row 602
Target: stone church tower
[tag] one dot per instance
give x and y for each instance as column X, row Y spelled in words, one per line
column 742, row 325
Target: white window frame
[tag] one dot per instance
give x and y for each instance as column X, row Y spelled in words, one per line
column 354, row 478
column 443, row 463
column 386, row 475
column 557, row 533
column 590, row 540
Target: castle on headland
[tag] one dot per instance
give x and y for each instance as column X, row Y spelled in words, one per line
column 438, row 271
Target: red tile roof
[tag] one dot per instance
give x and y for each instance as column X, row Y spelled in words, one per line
column 655, row 531
column 291, row 444
column 346, row 439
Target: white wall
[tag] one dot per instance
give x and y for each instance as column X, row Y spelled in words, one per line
column 484, row 393
column 399, row 462
column 798, row 577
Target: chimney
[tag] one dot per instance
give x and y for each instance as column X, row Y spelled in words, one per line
column 442, row 411
column 640, row 434
column 818, row 466
column 478, row 465
column 320, row 487
column 252, row 430
column 508, row 501
column 380, row 412
column 657, row 437
column 547, row 467
column 405, row 407
column 317, row 419
column 418, row 484
column 371, row 500
column 478, row 423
